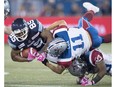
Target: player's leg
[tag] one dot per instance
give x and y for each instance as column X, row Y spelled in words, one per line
column 91, row 10
column 89, row 15
column 96, row 39
column 85, row 23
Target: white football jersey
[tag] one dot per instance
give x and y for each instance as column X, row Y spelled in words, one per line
column 108, row 63
column 78, row 42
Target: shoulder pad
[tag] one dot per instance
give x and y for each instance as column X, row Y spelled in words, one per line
column 60, row 29
column 35, row 25
column 95, row 56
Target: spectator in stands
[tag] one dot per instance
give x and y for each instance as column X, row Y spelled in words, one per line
column 22, row 12
column 75, row 10
column 47, row 10
column 56, row 7
column 59, row 11
column 106, row 8
column 28, row 8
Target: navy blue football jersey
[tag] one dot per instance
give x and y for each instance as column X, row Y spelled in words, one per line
column 33, row 40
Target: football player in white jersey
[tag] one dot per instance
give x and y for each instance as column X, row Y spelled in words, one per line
column 71, row 43
column 80, row 39
column 93, row 62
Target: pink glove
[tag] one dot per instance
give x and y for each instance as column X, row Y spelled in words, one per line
column 41, row 57
column 31, row 54
column 85, row 81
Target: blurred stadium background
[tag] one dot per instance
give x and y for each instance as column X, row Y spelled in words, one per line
column 35, row 74
column 38, row 8
column 48, row 11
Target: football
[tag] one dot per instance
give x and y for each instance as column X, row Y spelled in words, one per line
column 24, row 53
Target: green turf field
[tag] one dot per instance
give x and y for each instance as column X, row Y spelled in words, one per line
column 35, row 74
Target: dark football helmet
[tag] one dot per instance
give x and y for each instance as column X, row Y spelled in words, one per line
column 77, row 68
column 20, row 29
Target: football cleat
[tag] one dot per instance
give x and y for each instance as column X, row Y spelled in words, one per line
column 90, row 6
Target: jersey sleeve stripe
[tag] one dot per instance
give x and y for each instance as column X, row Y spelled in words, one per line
column 60, row 29
column 85, row 25
column 65, row 60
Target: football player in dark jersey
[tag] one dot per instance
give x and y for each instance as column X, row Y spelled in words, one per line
column 26, row 35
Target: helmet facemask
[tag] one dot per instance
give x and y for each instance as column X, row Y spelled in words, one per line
column 21, row 34
column 77, row 68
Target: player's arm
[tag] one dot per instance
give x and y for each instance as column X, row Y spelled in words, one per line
column 56, row 24
column 96, row 59
column 48, row 37
column 101, row 71
column 57, row 69
column 7, row 30
column 15, row 55
column 100, row 74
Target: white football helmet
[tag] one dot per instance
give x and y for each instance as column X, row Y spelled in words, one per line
column 57, row 47
column 6, row 8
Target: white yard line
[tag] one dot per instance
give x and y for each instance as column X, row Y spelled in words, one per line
column 17, row 85
column 6, row 73
column 39, row 69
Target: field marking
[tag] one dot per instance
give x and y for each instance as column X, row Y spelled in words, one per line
column 6, row 73
column 33, row 85
column 39, row 69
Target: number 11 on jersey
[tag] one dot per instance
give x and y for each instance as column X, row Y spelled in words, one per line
column 81, row 45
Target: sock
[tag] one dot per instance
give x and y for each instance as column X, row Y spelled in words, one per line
column 89, row 15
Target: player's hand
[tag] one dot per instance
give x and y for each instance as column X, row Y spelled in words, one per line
column 31, row 54
column 41, row 57
column 86, row 82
